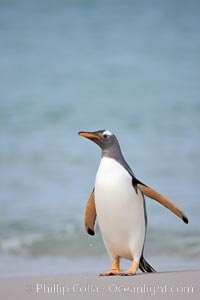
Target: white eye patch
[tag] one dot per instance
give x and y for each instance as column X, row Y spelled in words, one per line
column 107, row 132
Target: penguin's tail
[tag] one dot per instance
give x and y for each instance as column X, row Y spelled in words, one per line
column 145, row 266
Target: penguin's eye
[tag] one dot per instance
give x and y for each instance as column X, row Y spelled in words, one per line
column 105, row 136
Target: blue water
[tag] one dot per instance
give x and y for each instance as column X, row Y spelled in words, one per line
column 128, row 66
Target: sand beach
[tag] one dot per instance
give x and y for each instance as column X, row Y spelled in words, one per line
column 161, row 285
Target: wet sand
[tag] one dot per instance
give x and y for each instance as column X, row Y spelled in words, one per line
column 161, row 285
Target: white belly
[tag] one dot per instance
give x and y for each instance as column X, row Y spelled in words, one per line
column 120, row 211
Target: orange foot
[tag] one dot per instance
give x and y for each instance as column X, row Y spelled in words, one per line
column 115, row 269
column 110, row 273
column 131, row 271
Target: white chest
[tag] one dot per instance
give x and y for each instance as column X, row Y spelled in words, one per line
column 120, row 210
column 114, row 193
column 110, row 174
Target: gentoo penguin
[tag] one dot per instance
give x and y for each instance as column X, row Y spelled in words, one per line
column 117, row 200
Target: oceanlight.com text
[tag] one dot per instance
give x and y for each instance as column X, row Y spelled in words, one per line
column 113, row 288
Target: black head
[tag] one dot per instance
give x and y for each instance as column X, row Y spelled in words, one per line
column 105, row 139
column 109, row 144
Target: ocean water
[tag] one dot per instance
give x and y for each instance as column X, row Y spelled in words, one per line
column 128, row 66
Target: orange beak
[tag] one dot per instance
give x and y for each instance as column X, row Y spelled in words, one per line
column 90, row 135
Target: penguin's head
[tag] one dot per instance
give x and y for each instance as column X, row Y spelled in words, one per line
column 103, row 138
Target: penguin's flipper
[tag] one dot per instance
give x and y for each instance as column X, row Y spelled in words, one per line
column 149, row 192
column 90, row 215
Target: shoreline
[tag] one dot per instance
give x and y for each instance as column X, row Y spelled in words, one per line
column 160, row 285
column 12, row 266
